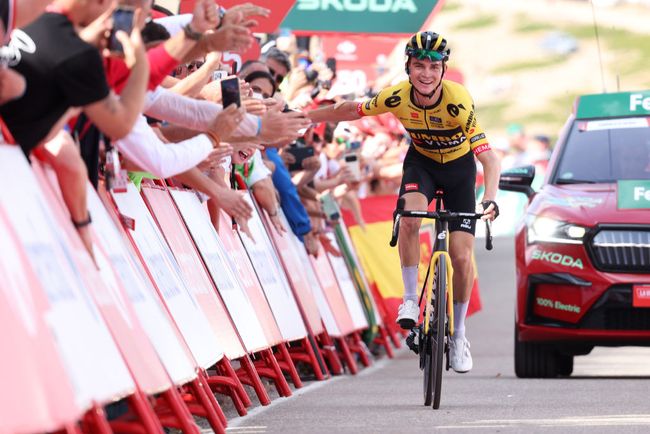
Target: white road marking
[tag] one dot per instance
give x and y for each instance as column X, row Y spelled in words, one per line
column 572, row 421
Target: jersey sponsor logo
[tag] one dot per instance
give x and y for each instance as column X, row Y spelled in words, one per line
column 411, row 186
column 439, row 139
column 454, row 110
column 471, row 121
column 394, row 100
column 360, row 109
column 466, row 224
column 20, row 43
column 415, row 115
column 381, row 6
column 477, row 138
column 482, row 148
column 435, row 119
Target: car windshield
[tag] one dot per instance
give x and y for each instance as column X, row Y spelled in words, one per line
column 605, row 151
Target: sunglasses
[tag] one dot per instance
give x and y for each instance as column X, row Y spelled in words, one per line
column 194, row 65
column 278, row 77
column 420, row 54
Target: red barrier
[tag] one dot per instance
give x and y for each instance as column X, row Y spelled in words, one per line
column 195, row 273
column 39, row 394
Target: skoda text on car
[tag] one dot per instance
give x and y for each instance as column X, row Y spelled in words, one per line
column 583, row 246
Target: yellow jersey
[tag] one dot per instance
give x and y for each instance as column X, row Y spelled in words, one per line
column 444, row 131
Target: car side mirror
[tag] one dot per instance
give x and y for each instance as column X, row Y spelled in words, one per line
column 518, row 179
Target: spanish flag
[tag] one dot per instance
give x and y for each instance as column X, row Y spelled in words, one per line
column 380, row 262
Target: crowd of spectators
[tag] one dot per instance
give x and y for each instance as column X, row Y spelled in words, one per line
column 154, row 109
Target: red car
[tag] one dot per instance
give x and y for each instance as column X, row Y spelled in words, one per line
column 583, row 246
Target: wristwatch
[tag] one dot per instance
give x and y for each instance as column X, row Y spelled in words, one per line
column 190, row 33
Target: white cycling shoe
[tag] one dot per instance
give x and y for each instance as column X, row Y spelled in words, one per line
column 408, row 314
column 460, row 358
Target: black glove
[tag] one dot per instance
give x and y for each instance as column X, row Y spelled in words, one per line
column 486, row 203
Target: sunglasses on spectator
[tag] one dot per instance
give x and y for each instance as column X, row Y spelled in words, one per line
column 194, row 65
column 278, row 77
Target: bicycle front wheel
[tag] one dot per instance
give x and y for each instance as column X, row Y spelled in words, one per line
column 434, row 340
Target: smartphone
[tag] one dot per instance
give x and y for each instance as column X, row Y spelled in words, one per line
column 299, row 153
column 230, row 92
column 352, row 161
column 219, row 75
column 122, row 20
column 330, row 207
column 331, row 64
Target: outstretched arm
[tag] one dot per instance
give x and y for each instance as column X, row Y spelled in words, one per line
column 341, row 111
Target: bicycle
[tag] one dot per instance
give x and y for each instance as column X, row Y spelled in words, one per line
column 433, row 338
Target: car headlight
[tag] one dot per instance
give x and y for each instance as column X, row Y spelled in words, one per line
column 548, row 230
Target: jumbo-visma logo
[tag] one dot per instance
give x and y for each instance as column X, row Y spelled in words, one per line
column 381, row 6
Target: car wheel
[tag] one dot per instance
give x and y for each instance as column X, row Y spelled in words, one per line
column 534, row 360
column 564, row 364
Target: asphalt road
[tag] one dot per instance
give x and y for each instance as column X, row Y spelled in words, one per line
column 607, row 393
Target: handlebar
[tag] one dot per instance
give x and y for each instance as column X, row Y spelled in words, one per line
column 442, row 215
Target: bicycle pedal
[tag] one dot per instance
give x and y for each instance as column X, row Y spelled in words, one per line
column 413, row 340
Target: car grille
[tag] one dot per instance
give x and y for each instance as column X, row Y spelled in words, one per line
column 614, row 311
column 622, row 250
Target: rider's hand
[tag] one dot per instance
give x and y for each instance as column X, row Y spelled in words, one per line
column 489, row 209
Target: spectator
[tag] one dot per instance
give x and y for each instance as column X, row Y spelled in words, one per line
column 63, row 72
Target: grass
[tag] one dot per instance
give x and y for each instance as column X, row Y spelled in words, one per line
column 554, row 113
column 528, row 64
column 451, row 6
column 525, row 25
column 631, row 51
column 479, row 22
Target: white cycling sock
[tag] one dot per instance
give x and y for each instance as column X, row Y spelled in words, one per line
column 410, row 278
column 460, row 312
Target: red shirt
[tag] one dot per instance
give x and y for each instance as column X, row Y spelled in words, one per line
column 161, row 64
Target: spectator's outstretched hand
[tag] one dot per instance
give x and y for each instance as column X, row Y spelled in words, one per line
column 227, row 121
column 98, row 32
column 279, row 127
column 311, row 164
column 312, row 244
column 240, row 14
column 133, row 46
column 235, row 205
column 254, row 106
column 229, row 38
column 216, row 157
column 205, row 16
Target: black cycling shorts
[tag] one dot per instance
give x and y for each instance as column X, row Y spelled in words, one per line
column 457, row 179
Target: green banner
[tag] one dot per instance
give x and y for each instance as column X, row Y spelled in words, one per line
column 634, row 194
column 403, row 17
column 618, row 104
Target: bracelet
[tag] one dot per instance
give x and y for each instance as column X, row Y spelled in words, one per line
column 215, row 138
column 222, row 13
column 190, row 33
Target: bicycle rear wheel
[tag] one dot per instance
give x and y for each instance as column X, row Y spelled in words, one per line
column 434, row 340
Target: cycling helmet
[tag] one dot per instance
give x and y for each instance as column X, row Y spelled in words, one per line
column 427, row 45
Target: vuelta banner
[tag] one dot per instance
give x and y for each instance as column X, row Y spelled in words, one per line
column 380, row 262
column 359, row 59
column 380, row 17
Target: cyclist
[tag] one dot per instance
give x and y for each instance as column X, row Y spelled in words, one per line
column 445, row 137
